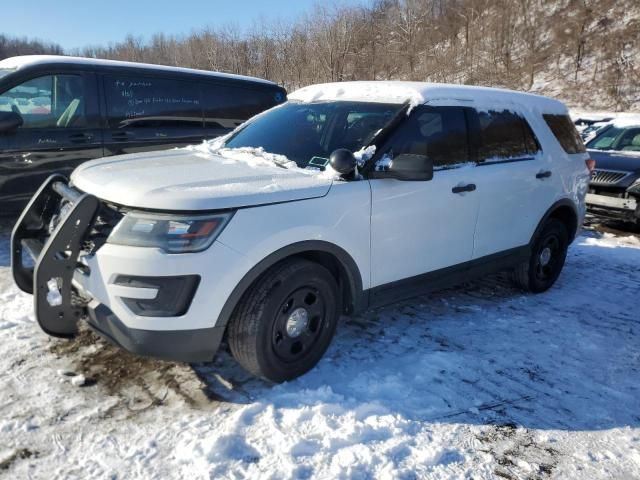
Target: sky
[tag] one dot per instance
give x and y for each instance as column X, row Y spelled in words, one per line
column 76, row 23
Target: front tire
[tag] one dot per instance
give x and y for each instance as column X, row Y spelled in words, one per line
column 285, row 321
column 548, row 254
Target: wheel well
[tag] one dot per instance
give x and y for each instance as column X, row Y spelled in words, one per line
column 566, row 215
column 339, row 272
column 339, row 263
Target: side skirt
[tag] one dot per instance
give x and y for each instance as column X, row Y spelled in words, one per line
column 446, row 277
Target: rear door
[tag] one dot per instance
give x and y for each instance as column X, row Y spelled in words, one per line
column 60, row 130
column 515, row 181
column 145, row 112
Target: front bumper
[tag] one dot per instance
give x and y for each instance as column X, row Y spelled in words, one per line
column 123, row 292
column 627, row 209
column 178, row 345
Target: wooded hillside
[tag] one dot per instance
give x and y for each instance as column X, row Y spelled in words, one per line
column 586, row 52
column 10, row 47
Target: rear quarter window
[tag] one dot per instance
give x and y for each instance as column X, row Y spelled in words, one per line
column 565, row 132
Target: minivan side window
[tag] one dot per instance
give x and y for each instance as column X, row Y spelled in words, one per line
column 51, row 101
column 440, row 133
column 565, row 132
column 138, row 101
column 227, row 106
column 504, row 135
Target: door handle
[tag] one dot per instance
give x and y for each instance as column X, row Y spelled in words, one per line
column 80, row 138
column 470, row 187
column 121, row 136
column 543, row 174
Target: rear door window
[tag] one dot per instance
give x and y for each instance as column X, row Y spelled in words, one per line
column 227, row 106
column 140, row 101
column 51, row 101
column 504, row 135
column 565, row 132
column 440, row 133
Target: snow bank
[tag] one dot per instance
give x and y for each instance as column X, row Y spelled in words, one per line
column 476, row 382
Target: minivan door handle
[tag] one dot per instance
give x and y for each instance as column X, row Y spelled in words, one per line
column 470, row 187
column 80, row 137
column 121, row 136
column 543, row 174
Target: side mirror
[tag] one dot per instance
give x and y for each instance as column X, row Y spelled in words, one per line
column 10, row 121
column 408, row 167
column 343, row 161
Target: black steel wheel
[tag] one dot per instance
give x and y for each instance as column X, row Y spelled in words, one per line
column 298, row 325
column 548, row 254
column 285, row 322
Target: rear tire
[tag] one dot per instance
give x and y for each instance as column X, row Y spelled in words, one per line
column 285, row 322
column 548, row 253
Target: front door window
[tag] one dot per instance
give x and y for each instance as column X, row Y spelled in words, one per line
column 51, row 101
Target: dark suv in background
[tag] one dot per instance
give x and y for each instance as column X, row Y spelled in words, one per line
column 614, row 190
column 57, row 112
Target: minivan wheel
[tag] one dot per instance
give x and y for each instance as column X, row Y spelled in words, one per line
column 285, row 321
column 548, row 254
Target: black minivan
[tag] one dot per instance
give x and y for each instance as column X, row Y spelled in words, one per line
column 57, row 112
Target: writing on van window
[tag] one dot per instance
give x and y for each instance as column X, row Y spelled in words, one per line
column 142, row 102
column 130, row 84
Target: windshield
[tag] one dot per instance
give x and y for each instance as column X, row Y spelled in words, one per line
column 307, row 133
column 617, row 138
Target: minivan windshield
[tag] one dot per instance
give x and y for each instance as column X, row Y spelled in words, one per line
column 307, row 133
column 5, row 71
column 623, row 139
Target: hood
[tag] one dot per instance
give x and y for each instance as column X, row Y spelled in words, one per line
column 185, row 179
column 618, row 161
column 613, row 160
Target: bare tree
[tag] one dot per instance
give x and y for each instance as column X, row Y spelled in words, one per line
column 591, row 45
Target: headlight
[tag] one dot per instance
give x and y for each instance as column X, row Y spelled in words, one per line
column 171, row 233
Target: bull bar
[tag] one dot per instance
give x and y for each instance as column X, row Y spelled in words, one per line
column 54, row 251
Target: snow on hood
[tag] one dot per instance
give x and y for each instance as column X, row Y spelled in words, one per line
column 202, row 177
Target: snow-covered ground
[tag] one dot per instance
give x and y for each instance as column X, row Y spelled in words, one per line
column 475, row 382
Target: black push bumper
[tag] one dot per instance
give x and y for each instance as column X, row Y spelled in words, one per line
column 54, row 238
column 54, row 251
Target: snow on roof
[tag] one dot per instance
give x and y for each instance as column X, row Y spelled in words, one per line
column 16, row 63
column 417, row 93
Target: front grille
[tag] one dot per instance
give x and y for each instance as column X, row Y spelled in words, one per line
column 607, row 177
column 107, row 218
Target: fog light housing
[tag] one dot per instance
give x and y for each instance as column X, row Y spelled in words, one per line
column 172, row 300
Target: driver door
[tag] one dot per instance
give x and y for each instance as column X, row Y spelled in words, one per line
column 422, row 227
column 60, row 130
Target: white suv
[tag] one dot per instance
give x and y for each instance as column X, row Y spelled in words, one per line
column 348, row 196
